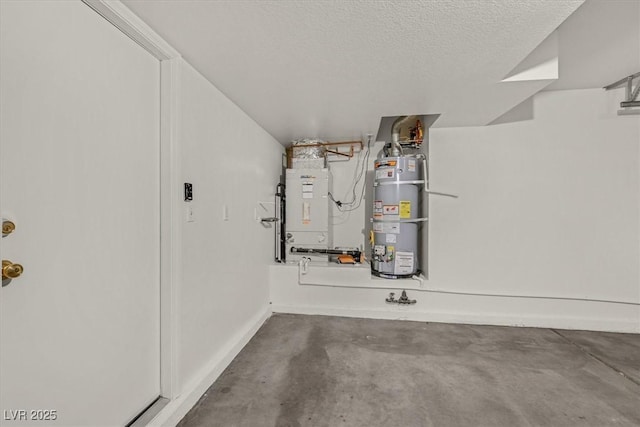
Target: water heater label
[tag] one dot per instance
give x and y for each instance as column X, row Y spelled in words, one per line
column 390, row 238
column 404, row 263
column 383, row 173
column 384, row 163
column 390, row 209
column 412, row 165
column 386, row 227
column 391, row 227
column 405, row 209
column 377, row 209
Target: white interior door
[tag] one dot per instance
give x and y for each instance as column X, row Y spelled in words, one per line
column 79, row 150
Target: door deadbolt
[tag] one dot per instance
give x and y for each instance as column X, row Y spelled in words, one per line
column 11, row 270
column 7, row 227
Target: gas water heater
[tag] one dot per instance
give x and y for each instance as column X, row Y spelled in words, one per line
column 396, row 213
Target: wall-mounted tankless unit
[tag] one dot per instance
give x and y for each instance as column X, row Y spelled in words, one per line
column 307, row 212
column 396, row 214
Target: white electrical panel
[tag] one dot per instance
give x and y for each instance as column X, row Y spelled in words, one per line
column 307, row 221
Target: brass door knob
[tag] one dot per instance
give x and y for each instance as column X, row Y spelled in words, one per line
column 11, row 270
column 7, row 227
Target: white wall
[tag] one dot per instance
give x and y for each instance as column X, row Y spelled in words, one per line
column 549, row 207
column 230, row 161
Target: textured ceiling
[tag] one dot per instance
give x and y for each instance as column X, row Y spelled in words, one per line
column 332, row 69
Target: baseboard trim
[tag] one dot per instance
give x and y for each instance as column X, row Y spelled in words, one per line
column 556, row 322
column 179, row 406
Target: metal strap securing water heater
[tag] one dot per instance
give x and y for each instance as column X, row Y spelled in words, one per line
column 395, row 221
column 416, row 181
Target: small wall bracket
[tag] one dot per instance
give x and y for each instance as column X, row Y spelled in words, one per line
column 265, row 207
column 630, row 105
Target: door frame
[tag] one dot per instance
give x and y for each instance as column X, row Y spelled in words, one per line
column 170, row 208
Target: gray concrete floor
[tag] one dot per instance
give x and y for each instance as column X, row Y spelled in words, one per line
column 333, row 371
